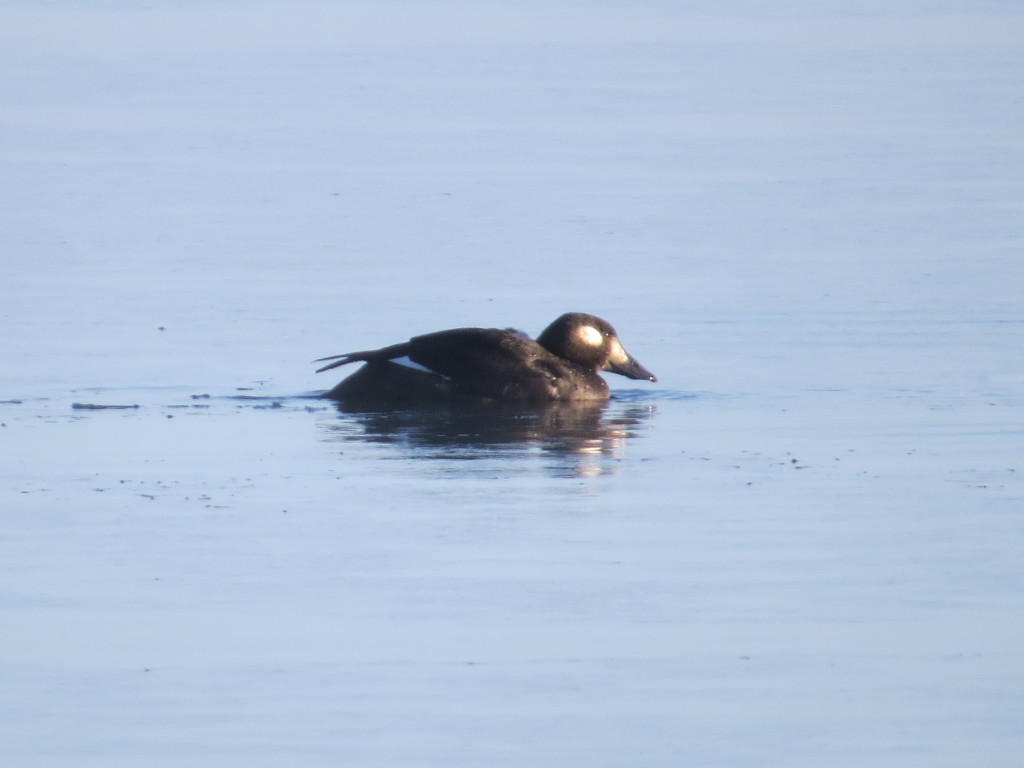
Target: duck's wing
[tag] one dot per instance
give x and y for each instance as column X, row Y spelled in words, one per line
column 485, row 361
column 455, row 354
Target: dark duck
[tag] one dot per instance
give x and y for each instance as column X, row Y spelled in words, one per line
column 490, row 364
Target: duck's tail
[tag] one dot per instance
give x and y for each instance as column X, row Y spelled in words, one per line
column 369, row 356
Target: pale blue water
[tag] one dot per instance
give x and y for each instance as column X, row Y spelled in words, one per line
column 800, row 546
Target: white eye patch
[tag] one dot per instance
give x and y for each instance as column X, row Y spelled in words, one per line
column 588, row 334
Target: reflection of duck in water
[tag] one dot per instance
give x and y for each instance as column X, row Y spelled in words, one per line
column 490, row 364
column 479, row 424
column 575, row 438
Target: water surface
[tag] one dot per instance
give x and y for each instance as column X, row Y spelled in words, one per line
column 801, row 546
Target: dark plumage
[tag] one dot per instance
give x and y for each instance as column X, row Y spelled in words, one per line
column 493, row 364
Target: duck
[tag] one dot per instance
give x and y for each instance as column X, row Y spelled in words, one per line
column 490, row 364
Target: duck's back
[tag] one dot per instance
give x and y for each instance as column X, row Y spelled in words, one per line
column 503, row 363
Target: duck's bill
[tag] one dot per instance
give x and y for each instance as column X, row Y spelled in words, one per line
column 627, row 366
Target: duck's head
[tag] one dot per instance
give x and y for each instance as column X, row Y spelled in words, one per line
column 589, row 341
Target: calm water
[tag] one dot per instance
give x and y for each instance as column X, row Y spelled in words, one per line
column 801, row 546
